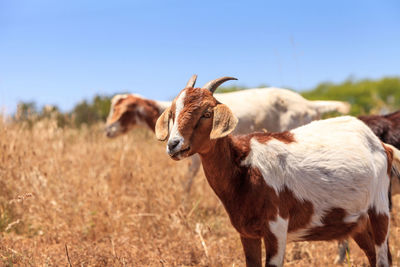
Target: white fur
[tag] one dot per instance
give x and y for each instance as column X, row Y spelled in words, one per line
column 381, row 252
column 279, row 228
column 174, row 134
column 275, row 109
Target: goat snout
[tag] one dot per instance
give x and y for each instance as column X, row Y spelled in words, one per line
column 173, row 144
column 108, row 133
column 112, row 130
column 175, row 148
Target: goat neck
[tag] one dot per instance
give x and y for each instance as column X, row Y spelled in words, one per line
column 221, row 164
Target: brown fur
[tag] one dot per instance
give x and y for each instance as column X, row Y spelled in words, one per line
column 285, row 137
column 127, row 112
column 271, row 247
column 389, row 154
column 192, row 110
column 241, row 143
column 365, row 240
column 333, row 227
column 252, row 251
column 386, row 127
column 299, row 212
column 380, row 225
column 249, row 201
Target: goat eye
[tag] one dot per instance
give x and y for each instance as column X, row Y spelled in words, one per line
column 207, row 114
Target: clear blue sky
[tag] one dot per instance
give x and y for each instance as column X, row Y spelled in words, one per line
column 61, row 52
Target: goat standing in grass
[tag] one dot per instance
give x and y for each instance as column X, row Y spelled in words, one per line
column 324, row 181
column 271, row 109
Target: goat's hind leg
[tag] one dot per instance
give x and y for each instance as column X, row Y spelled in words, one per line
column 380, row 228
column 365, row 240
column 343, row 249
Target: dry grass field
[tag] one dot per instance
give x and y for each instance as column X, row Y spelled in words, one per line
column 119, row 203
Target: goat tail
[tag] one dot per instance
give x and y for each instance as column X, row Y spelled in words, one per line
column 395, row 170
column 329, row 106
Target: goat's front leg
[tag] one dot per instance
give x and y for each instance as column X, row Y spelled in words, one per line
column 252, row 251
column 275, row 242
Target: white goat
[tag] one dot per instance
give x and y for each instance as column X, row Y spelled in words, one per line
column 270, row 109
column 275, row 109
column 323, row 181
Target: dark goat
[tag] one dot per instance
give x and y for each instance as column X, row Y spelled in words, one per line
column 386, row 127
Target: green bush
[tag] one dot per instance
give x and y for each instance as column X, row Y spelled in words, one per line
column 365, row 96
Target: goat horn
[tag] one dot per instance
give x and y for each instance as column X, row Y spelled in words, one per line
column 192, row 81
column 213, row 85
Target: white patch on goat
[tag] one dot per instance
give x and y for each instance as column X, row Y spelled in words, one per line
column 279, row 228
column 334, row 163
column 381, row 254
column 174, row 133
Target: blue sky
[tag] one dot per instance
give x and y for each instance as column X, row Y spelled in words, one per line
column 61, row 52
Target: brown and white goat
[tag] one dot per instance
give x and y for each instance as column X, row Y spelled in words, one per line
column 324, row 181
column 130, row 110
column 271, row 109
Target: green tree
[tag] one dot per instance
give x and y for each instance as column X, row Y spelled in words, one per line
column 365, row 96
column 102, row 106
column 26, row 111
column 89, row 113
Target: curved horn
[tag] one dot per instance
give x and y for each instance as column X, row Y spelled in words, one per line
column 192, row 81
column 213, row 85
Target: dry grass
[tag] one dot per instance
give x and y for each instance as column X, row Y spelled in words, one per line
column 119, row 203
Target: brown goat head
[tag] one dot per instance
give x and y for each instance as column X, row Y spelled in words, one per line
column 194, row 120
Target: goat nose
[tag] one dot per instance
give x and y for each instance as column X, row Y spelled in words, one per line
column 172, row 144
column 109, row 134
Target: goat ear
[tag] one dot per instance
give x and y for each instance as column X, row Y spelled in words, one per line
column 162, row 125
column 224, row 122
